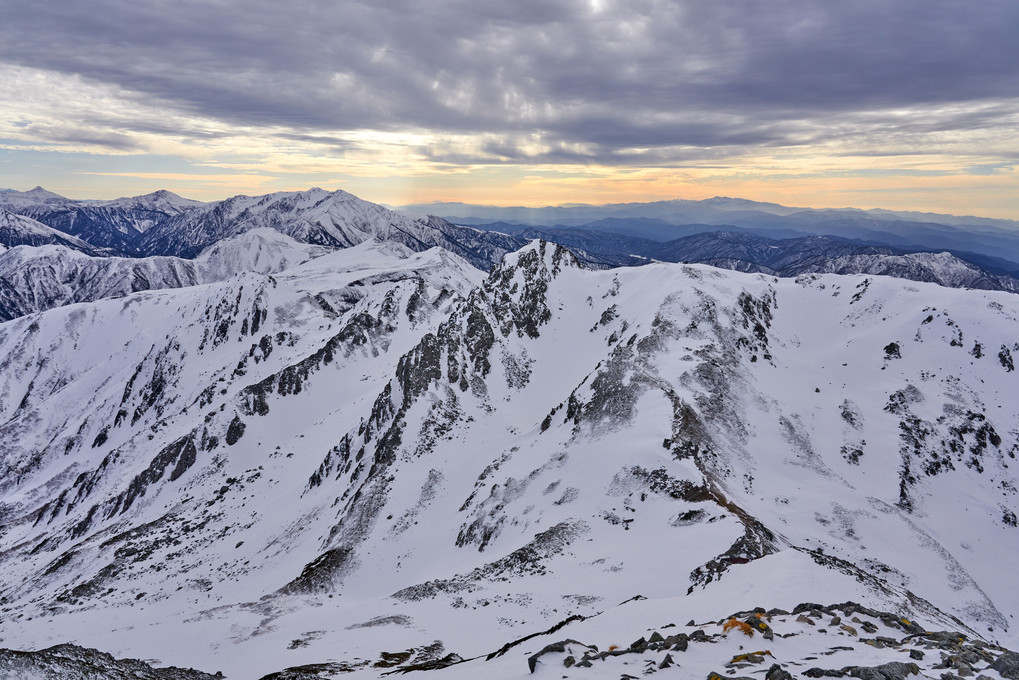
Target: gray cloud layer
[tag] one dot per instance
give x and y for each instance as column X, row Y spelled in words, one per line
column 590, row 84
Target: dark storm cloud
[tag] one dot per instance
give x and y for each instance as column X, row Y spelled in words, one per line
column 647, row 74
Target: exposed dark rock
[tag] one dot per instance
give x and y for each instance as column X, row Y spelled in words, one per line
column 560, row 647
column 964, row 656
column 70, row 662
column 1008, row 518
column 1007, row 665
column 776, row 672
column 510, row 645
column 893, row 670
column 450, row 659
column 824, row 673
column 315, row 671
column 322, row 573
column 526, row 560
column 360, row 330
column 235, row 430
column 756, row 542
column 1005, row 359
column 181, row 454
column 807, row 607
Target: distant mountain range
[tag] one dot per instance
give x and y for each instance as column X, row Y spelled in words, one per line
column 749, row 252
column 118, row 225
column 992, row 244
column 682, row 211
column 162, row 223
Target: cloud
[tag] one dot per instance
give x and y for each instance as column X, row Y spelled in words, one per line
column 640, row 81
column 189, row 177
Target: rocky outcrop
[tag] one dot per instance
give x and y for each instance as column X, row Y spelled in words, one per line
column 70, row 662
column 795, row 641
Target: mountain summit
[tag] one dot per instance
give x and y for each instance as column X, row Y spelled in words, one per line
column 336, row 219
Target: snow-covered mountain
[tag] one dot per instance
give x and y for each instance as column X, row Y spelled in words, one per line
column 336, row 219
column 151, row 208
column 162, row 223
column 989, row 243
column 18, row 230
column 117, row 225
column 748, row 252
column 822, row 254
column 36, row 279
column 381, row 459
column 943, row 269
column 14, row 200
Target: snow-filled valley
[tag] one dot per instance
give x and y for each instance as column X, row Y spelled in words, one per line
column 379, row 458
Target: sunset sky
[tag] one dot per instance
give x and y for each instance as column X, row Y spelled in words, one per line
column 902, row 104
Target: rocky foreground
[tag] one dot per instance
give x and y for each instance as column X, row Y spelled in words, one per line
column 813, row 641
column 71, row 662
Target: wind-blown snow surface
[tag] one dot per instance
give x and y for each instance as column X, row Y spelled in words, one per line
column 373, row 453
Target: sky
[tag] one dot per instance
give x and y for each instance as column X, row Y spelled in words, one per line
column 900, row 104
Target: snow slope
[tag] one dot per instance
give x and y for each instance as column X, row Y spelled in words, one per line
column 375, row 458
column 36, row 279
column 18, row 230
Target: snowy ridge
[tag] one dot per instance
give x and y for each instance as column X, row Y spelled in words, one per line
column 336, row 219
column 108, row 445
column 36, row 196
column 36, row 279
column 812, row 640
column 943, row 269
column 117, row 225
column 162, row 223
column 18, row 230
column 162, row 201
